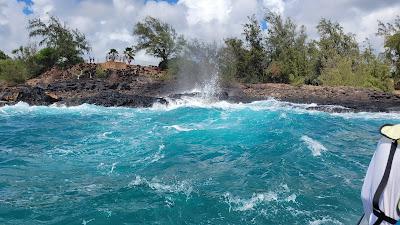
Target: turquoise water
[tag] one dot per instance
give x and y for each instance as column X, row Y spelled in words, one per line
column 192, row 162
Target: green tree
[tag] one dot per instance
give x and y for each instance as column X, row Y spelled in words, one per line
column 333, row 40
column 27, row 55
column 334, row 44
column 24, row 53
column 158, row 39
column 129, row 54
column 112, row 55
column 69, row 44
column 37, row 62
column 244, row 60
column 256, row 56
column 363, row 69
column 45, row 59
column 232, row 61
column 337, row 51
column 287, row 50
column 391, row 34
column 3, row 55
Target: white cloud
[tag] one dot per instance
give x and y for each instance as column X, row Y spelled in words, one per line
column 123, row 35
column 43, row 8
column 366, row 25
column 124, row 6
column 206, row 11
column 277, row 6
column 12, row 26
column 109, row 23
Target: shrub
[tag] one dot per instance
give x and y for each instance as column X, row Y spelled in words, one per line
column 45, row 59
column 3, row 55
column 13, row 71
column 100, row 73
column 347, row 72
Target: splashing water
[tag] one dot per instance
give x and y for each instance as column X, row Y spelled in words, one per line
column 198, row 71
column 210, row 88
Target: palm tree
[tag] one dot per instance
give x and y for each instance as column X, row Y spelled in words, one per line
column 129, row 54
column 112, row 55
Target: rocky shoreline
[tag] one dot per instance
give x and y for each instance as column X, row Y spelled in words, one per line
column 352, row 99
column 138, row 86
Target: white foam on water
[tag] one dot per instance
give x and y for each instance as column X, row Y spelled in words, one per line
column 270, row 104
column 325, row 220
column 369, row 115
column 285, row 187
column 169, row 202
column 24, row 108
column 159, row 155
column 61, row 151
column 239, row 204
column 297, row 212
column 199, row 102
column 105, row 134
column 108, row 135
column 316, row 147
column 193, row 102
column 106, row 211
column 85, row 222
column 113, row 166
column 155, row 157
column 90, row 188
column 155, row 184
column 291, row 198
column 178, row 128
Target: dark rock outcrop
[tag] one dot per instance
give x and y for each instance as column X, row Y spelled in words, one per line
column 113, row 98
column 30, row 95
column 354, row 99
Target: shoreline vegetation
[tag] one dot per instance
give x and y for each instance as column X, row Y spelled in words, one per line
column 280, row 61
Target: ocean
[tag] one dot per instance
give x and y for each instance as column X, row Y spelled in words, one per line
column 194, row 161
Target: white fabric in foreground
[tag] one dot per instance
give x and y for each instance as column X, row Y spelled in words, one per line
column 391, row 194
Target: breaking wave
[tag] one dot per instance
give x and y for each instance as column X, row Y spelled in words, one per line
column 316, row 147
column 178, row 128
column 156, row 185
column 198, row 102
column 325, row 220
column 239, row 204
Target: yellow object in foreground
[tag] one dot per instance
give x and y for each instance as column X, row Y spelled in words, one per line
column 391, row 131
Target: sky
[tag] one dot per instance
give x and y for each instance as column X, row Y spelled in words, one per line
column 109, row 23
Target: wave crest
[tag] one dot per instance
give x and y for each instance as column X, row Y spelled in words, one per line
column 154, row 184
column 315, row 146
column 196, row 102
column 239, row 204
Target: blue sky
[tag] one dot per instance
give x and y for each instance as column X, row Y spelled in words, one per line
column 27, row 9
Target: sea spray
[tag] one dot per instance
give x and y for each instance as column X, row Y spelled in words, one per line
column 197, row 70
